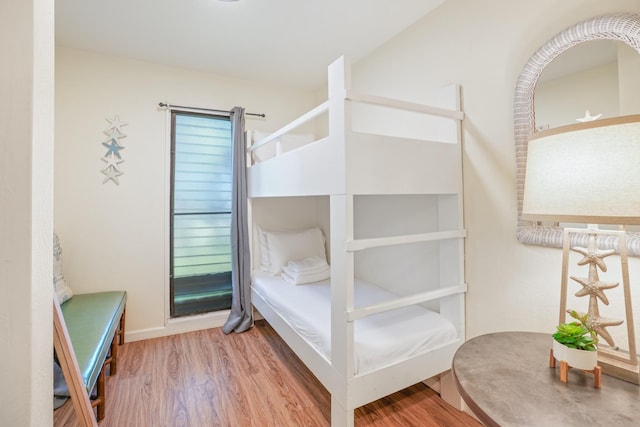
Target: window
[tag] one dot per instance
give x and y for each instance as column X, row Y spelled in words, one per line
column 201, row 179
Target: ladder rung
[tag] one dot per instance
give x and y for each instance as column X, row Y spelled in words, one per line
column 401, row 302
column 361, row 244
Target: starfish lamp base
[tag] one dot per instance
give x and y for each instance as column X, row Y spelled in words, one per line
column 622, row 364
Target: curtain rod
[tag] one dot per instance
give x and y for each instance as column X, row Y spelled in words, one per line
column 170, row 106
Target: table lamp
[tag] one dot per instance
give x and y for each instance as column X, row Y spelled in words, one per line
column 590, row 173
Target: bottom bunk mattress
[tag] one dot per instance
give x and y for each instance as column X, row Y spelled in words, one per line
column 380, row 340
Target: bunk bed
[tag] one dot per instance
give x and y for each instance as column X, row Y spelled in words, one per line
column 345, row 341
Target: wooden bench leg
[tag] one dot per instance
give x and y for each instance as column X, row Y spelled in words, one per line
column 99, row 401
column 101, row 395
column 118, row 340
column 120, row 333
column 113, row 359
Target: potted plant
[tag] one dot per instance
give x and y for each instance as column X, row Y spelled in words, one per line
column 576, row 343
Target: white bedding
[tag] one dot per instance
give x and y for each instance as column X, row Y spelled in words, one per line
column 380, row 340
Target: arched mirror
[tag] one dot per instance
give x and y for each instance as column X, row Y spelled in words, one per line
column 589, row 81
column 605, row 50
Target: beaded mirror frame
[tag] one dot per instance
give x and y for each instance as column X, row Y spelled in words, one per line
column 622, row 27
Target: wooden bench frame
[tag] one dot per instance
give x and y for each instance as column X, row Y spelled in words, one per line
column 82, row 403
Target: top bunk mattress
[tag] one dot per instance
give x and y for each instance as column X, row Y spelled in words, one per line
column 380, row 340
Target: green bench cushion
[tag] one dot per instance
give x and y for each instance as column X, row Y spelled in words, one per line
column 92, row 321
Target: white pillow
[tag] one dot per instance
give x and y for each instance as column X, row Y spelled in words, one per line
column 279, row 247
column 62, row 291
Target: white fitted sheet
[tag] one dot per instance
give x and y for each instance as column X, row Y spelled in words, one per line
column 380, row 340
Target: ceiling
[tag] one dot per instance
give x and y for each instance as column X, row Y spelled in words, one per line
column 288, row 42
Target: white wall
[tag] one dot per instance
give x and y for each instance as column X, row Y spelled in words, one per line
column 116, row 236
column 26, row 169
column 483, row 46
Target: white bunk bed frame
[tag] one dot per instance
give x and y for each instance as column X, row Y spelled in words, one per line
column 341, row 166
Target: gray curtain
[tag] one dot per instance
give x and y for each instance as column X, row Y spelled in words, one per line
column 240, row 319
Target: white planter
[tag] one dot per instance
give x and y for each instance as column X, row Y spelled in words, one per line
column 580, row 359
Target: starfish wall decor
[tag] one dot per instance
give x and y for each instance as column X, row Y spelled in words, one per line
column 113, row 157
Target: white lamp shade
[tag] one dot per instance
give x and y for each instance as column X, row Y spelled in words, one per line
column 588, row 172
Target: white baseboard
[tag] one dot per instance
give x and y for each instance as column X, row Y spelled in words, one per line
column 180, row 325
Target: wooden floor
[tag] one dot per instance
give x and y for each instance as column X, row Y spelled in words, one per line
column 206, row 378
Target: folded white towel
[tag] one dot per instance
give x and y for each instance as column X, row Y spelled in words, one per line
column 307, row 265
column 300, row 278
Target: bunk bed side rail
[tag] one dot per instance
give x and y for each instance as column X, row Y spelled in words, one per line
column 309, row 115
column 313, row 359
column 373, row 385
column 361, row 98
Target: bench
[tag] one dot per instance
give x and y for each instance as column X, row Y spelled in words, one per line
column 88, row 329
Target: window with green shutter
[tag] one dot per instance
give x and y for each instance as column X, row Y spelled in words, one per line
column 200, row 213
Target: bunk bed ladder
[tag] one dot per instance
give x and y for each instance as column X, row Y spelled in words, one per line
column 450, row 236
